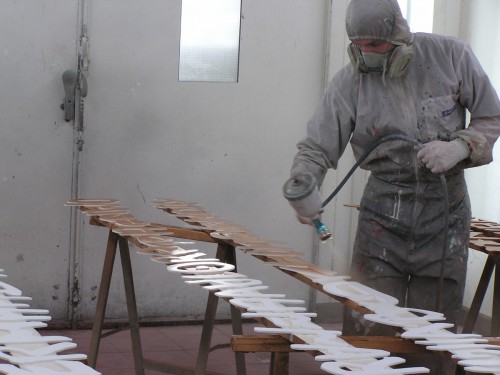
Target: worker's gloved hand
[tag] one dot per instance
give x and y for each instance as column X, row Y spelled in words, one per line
column 308, row 220
column 440, row 156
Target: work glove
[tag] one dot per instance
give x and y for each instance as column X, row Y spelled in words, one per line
column 440, row 156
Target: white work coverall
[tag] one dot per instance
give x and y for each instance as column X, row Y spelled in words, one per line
column 400, row 230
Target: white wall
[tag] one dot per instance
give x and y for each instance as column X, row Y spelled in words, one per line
column 480, row 27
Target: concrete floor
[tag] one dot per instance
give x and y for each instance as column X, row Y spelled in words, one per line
column 179, row 345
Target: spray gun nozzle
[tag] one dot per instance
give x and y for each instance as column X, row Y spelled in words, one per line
column 322, row 230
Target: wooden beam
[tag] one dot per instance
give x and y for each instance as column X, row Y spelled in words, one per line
column 276, row 343
column 260, row 343
column 177, row 232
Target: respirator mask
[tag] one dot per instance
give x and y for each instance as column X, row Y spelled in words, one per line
column 392, row 63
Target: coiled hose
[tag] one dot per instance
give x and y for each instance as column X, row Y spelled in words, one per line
column 403, row 137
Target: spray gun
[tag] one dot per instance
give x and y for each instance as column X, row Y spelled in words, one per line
column 303, row 196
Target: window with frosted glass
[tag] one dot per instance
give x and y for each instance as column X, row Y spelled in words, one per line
column 210, row 40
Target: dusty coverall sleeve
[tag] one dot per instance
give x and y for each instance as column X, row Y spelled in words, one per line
column 328, row 131
column 480, row 98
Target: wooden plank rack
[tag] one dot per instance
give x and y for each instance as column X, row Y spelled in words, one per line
column 291, row 323
column 120, row 242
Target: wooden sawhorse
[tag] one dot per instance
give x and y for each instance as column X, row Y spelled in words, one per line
column 485, row 237
column 491, row 265
column 225, row 253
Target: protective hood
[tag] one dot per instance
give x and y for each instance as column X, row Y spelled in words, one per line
column 377, row 19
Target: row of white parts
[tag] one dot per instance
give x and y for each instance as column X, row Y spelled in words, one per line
column 290, row 320
column 471, row 350
column 212, row 271
column 24, row 348
column 202, row 266
column 244, row 293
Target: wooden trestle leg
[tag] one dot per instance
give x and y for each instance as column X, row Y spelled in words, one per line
column 102, row 299
column 480, row 293
column 133, row 317
column 495, row 315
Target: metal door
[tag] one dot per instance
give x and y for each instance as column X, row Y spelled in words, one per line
column 39, row 40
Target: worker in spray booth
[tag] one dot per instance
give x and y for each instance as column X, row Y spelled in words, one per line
column 419, row 85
